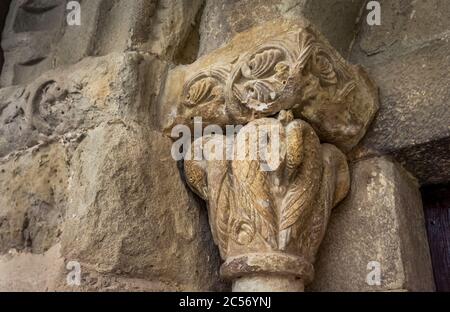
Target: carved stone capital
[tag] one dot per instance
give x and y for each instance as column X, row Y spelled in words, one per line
column 282, row 65
column 269, row 224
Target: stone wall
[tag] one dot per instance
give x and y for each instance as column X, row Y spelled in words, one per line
column 381, row 221
column 86, row 173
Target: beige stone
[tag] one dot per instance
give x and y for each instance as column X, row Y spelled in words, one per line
column 271, row 283
column 36, row 37
column 64, row 103
column 101, row 158
column 269, row 216
column 30, row 272
column 408, row 57
column 381, row 220
column 289, row 67
column 33, row 199
column 269, row 219
column 86, row 175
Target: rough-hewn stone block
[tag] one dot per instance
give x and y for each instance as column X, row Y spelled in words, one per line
column 98, row 181
column 31, row 272
column 381, row 220
column 130, row 212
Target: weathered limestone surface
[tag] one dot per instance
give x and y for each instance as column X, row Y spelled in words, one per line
column 289, row 66
column 30, row 271
column 84, row 175
column 117, row 208
column 32, row 34
column 268, row 214
column 33, row 199
column 67, row 101
column 381, row 220
column 22, row 271
column 36, row 37
column 4, row 6
column 408, row 57
column 223, row 19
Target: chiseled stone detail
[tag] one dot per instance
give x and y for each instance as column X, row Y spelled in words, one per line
column 382, row 221
column 270, row 223
column 31, row 29
column 295, row 69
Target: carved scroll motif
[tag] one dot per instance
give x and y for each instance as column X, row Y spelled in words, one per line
column 296, row 72
column 271, row 222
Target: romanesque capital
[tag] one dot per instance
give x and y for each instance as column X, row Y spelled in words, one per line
column 281, row 65
column 269, row 214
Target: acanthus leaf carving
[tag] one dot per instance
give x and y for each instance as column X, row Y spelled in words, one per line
column 253, row 195
column 271, row 222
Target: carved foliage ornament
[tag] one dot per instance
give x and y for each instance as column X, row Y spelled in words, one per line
column 271, row 223
column 279, row 213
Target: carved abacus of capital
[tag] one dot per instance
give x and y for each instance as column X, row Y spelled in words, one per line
column 269, row 224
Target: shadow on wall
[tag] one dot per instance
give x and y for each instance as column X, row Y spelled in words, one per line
column 4, row 8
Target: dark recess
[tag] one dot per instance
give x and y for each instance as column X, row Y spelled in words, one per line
column 4, row 7
column 436, row 201
column 188, row 53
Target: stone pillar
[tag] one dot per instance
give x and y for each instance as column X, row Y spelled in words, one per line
column 381, row 222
